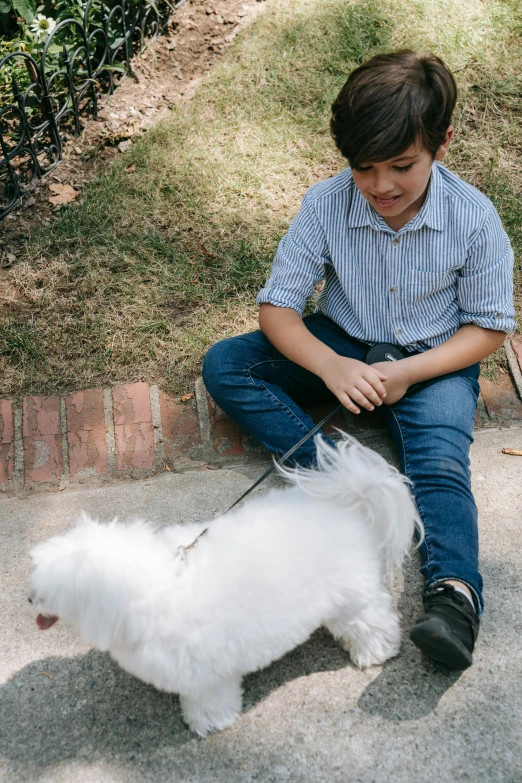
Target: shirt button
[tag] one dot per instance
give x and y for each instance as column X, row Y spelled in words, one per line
column 398, row 331
column 395, row 242
column 500, row 315
column 393, row 289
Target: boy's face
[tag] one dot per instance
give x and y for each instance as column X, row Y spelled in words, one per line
column 396, row 188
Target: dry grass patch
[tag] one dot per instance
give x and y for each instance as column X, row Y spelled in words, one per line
column 171, row 245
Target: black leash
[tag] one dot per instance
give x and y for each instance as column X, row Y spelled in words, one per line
column 288, row 454
column 377, row 353
column 381, row 352
column 181, row 552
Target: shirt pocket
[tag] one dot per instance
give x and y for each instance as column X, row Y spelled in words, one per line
column 431, row 288
column 432, row 295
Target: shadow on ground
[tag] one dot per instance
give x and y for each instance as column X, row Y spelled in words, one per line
column 410, row 686
column 59, row 709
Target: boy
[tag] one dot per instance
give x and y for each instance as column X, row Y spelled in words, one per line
column 413, row 256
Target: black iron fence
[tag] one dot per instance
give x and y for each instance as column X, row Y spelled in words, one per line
column 80, row 66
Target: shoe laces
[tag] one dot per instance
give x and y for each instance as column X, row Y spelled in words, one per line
column 443, row 594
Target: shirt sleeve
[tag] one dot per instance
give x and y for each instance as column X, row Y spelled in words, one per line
column 485, row 285
column 299, row 262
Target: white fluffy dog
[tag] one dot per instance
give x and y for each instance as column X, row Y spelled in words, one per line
column 194, row 619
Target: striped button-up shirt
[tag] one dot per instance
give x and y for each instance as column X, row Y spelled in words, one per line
column 452, row 264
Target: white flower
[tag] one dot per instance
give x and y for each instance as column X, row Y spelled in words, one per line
column 42, row 26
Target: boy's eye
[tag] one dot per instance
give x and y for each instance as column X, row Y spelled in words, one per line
column 397, row 168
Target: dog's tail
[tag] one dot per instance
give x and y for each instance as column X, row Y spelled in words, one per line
column 361, row 480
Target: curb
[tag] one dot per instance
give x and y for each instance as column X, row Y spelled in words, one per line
column 129, row 431
column 513, row 348
column 503, row 399
column 135, row 430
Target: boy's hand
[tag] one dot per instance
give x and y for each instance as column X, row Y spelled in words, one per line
column 354, row 383
column 398, row 380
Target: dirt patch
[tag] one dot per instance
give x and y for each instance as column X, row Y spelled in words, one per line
column 166, row 72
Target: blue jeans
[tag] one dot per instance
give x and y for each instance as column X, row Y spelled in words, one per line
column 263, row 392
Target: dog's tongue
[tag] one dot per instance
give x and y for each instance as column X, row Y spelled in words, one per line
column 44, row 622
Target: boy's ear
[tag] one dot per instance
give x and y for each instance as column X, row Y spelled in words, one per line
column 441, row 152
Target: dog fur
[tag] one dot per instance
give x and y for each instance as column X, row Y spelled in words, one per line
column 266, row 575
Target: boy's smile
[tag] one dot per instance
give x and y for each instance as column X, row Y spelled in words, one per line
column 396, row 188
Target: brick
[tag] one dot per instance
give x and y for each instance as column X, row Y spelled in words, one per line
column 516, row 344
column 42, row 439
column 133, row 429
column 180, row 426
column 481, row 418
column 227, row 436
column 319, row 411
column 501, row 399
column 6, row 443
column 86, row 436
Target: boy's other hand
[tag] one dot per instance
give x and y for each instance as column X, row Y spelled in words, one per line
column 354, row 383
column 397, row 382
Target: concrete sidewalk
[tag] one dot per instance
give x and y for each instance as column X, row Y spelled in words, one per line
column 69, row 714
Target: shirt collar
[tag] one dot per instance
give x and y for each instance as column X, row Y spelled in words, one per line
column 361, row 213
column 431, row 213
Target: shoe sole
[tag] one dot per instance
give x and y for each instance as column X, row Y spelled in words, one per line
column 435, row 639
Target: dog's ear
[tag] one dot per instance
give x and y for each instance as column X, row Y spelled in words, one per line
column 83, row 518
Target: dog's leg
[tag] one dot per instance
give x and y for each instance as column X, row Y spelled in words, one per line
column 371, row 634
column 213, row 709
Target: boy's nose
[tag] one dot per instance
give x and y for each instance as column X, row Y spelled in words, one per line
column 382, row 186
column 382, row 181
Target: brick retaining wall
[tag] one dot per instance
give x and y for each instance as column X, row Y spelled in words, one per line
column 134, row 430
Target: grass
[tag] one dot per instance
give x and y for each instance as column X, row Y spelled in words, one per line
column 172, row 243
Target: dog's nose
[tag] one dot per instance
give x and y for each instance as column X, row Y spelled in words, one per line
column 30, row 597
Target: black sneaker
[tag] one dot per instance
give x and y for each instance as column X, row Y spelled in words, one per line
column 448, row 630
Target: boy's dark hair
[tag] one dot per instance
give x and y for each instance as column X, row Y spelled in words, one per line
column 391, row 102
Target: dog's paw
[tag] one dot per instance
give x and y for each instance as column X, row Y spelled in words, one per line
column 373, row 639
column 366, row 658
column 203, row 726
column 376, row 649
column 204, row 718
